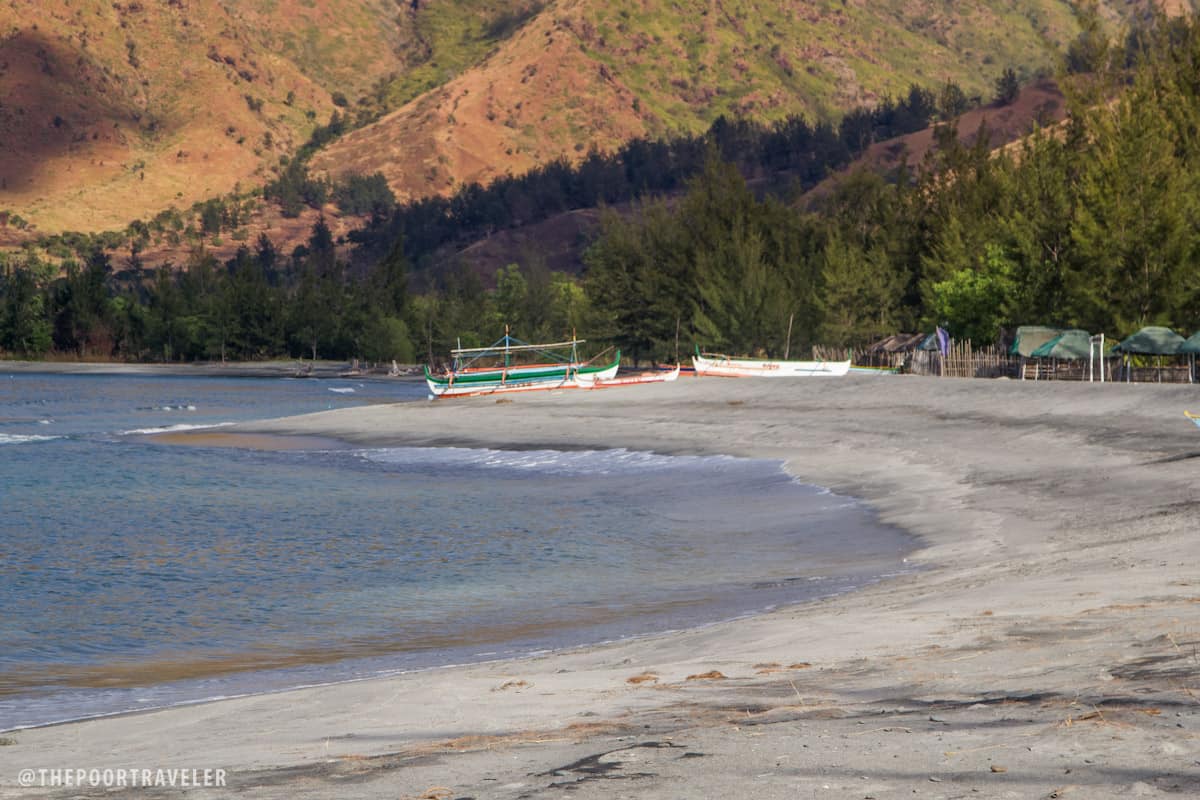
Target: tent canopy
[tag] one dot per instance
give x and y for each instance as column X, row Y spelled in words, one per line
column 1152, row 341
column 1191, row 344
column 1073, row 344
column 1031, row 337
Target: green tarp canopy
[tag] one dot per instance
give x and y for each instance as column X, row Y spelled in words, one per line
column 1072, row 344
column 1191, row 344
column 1152, row 341
column 1031, row 337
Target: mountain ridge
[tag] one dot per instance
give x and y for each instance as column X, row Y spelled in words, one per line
column 117, row 111
column 582, row 74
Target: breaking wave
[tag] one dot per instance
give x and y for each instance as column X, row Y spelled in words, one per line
column 18, row 438
column 554, row 462
column 174, row 428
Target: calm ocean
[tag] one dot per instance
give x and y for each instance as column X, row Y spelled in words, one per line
column 136, row 573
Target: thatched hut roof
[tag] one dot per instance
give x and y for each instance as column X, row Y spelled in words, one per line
column 898, row 343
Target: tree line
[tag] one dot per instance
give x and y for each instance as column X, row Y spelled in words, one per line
column 261, row 304
column 257, row 305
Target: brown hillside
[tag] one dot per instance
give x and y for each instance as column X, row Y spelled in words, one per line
column 592, row 73
column 1038, row 104
column 111, row 111
column 115, row 110
column 285, row 233
column 518, row 109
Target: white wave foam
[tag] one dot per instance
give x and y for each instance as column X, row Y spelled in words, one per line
column 173, row 429
column 560, row 462
column 17, row 438
column 341, row 389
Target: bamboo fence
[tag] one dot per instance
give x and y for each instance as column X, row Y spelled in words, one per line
column 964, row 361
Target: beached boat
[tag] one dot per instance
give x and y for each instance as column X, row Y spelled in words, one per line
column 723, row 366
column 596, row 381
column 875, row 370
column 1195, row 418
column 501, row 367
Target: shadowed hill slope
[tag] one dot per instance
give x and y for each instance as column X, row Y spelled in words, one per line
column 111, row 111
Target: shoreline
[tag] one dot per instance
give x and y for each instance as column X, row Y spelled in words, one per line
column 277, row 368
column 845, row 574
column 1057, row 606
column 401, row 672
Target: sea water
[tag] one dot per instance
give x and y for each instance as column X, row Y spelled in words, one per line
column 137, row 573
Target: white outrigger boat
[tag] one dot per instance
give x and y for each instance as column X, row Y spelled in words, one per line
column 475, row 371
column 722, row 366
column 596, row 381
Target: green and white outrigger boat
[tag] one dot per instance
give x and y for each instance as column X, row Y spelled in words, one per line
column 504, row 367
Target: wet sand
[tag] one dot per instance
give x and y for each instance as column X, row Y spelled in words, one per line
column 1048, row 647
column 244, row 440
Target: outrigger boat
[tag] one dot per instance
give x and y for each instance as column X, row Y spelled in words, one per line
column 592, row 381
column 475, row 371
column 723, row 366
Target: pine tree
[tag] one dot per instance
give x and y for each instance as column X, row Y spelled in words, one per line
column 1008, row 88
column 24, row 327
column 861, row 293
column 1133, row 224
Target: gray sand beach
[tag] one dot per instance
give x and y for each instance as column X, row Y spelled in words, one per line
column 1048, row 646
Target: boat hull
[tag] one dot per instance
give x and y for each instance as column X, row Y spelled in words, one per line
column 517, row 380
column 723, row 367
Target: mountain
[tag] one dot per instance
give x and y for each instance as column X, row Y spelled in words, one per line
column 115, row 111
column 593, row 73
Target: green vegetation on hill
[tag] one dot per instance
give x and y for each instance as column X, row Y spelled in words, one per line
column 443, row 40
column 702, row 60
